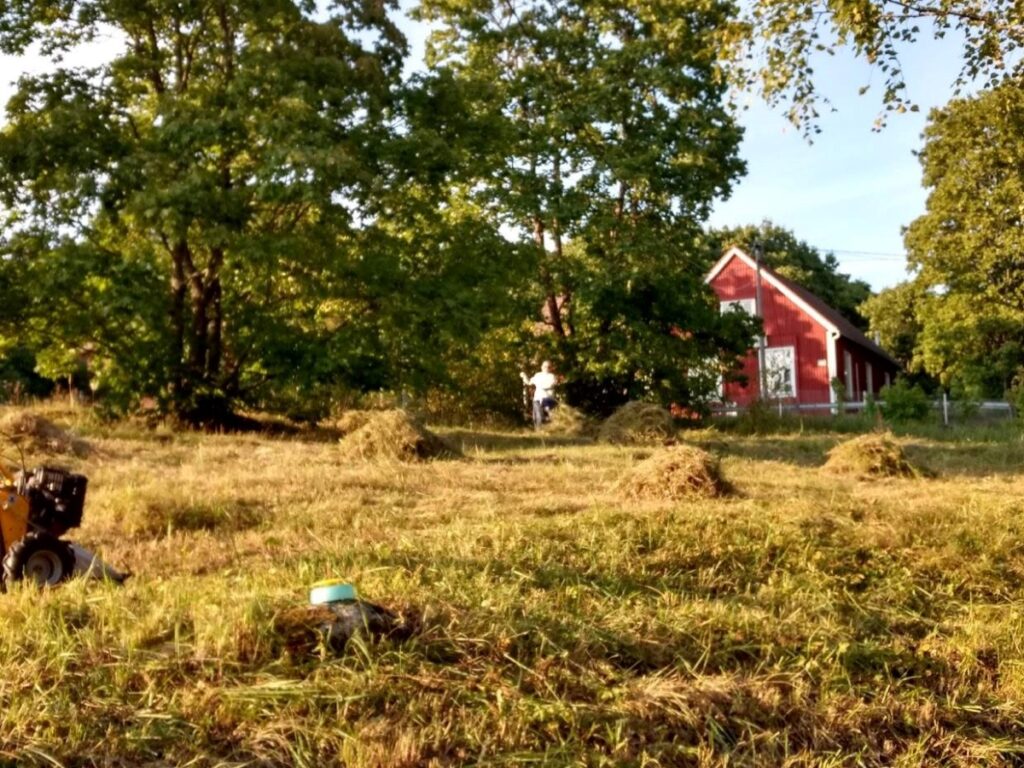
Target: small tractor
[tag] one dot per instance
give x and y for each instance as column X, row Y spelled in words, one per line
column 37, row 507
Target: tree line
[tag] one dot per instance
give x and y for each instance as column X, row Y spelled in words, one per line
column 248, row 204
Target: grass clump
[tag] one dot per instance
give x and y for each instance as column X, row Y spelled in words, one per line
column 679, row 472
column 873, row 455
column 637, row 423
column 159, row 518
column 37, row 434
column 395, row 435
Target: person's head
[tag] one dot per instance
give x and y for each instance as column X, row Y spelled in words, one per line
column 546, row 366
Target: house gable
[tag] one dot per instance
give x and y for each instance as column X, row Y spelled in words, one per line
column 769, row 277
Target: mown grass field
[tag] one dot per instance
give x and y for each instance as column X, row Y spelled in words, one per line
column 805, row 620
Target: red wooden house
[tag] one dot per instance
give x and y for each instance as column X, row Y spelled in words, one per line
column 807, row 343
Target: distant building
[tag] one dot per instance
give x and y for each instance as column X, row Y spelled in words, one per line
column 807, row 342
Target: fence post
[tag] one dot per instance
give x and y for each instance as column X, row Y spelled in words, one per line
column 945, row 409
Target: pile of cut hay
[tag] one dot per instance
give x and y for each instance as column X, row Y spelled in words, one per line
column 35, row 434
column 873, row 455
column 568, row 421
column 637, row 423
column 676, row 473
column 397, row 436
column 350, row 421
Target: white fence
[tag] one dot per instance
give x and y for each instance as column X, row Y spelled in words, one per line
column 949, row 411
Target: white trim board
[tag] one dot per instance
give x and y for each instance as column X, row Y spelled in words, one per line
column 770, row 278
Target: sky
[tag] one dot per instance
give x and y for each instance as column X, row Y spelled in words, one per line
column 850, row 192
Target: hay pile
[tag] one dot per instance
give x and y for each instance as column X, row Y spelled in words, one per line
column 676, row 473
column 874, row 455
column 395, row 435
column 35, row 434
column 637, row 423
column 350, row 421
column 568, row 421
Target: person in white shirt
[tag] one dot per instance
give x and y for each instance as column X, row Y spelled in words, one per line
column 543, row 383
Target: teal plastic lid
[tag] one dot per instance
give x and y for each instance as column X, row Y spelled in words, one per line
column 331, row 591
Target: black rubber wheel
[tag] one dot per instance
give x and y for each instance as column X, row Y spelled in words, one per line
column 41, row 558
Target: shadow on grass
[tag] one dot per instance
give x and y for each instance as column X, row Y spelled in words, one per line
column 499, row 442
column 809, row 451
column 969, row 459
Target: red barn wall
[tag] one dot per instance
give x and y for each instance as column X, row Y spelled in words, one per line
column 785, row 325
column 860, row 358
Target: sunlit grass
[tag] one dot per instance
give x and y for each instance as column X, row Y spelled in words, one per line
column 803, row 620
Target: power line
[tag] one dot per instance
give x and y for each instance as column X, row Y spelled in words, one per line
column 868, row 255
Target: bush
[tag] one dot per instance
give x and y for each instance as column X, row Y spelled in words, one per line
column 904, row 402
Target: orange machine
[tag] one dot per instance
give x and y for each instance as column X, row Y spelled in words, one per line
column 37, row 507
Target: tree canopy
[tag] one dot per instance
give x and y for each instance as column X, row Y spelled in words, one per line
column 605, row 137
column 776, row 43
column 244, row 204
column 964, row 308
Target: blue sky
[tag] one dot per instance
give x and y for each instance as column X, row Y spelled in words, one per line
column 851, row 191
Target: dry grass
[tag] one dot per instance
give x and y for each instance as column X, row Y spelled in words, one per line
column 872, row 455
column 397, row 436
column 567, row 421
column 637, row 423
column 804, row 621
column 349, row 421
column 677, row 472
column 34, row 433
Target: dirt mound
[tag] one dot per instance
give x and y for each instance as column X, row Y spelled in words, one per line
column 35, row 434
column 874, row 455
column 395, row 435
column 678, row 472
column 637, row 423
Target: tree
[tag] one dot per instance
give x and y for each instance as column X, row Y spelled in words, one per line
column 800, row 262
column 180, row 210
column 968, row 248
column 607, row 141
column 775, row 45
column 893, row 315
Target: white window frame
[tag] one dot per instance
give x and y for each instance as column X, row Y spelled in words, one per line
column 769, row 368
column 848, row 373
column 733, row 305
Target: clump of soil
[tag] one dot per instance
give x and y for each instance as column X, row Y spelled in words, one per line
column 637, row 423
column 874, row 455
column 676, row 473
column 303, row 630
column 35, row 434
column 568, row 421
column 395, row 435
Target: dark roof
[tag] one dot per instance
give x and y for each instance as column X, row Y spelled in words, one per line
column 847, row 329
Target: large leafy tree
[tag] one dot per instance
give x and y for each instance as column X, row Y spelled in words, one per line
column 801, row 263
column 967, row 296
column 606, row 141
column 182, row 211
column 775, row 47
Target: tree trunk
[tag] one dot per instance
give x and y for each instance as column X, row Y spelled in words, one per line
column 197, row 324
column 179, row 391
column 547, row 281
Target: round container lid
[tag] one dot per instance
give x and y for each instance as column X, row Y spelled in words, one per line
column 331, row 591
